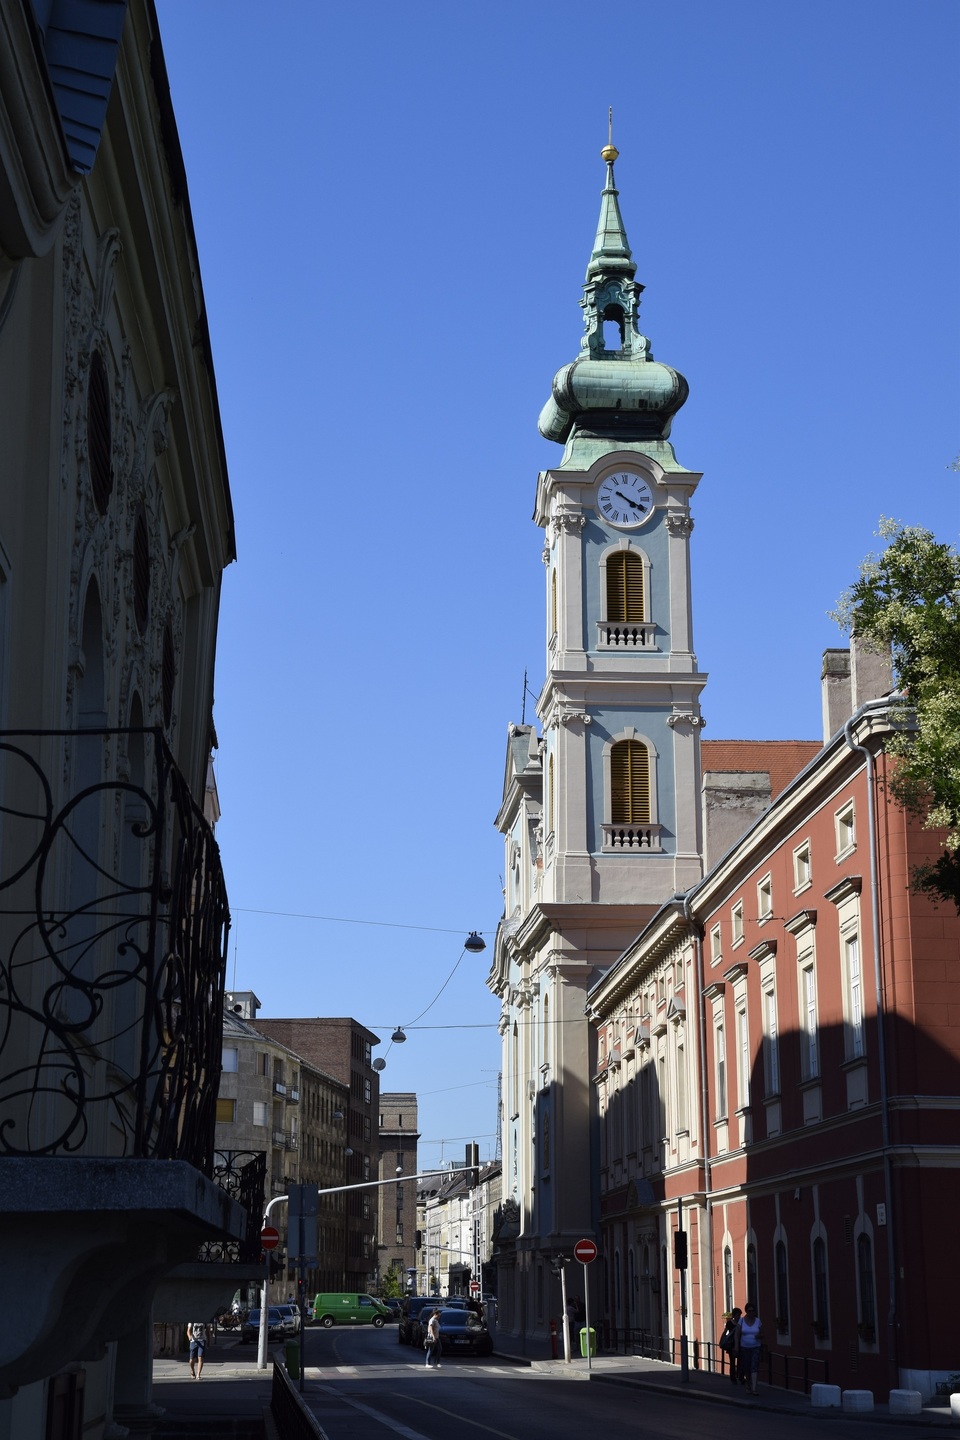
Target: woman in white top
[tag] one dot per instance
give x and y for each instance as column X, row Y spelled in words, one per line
column 749, row 1342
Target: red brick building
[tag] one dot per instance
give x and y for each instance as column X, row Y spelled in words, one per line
column 343, row 1048
column 779, row 1054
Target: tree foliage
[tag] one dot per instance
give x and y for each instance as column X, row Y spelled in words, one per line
column 908, row 598
column 391, row 1285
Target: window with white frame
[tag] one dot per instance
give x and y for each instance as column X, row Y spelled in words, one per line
column 866, row 1289
column 765, row 898
column 845, row 827
column 231, row 1059
column 809, row 1042
column 743, row 1055
column 853, row 977
column 771, row 1041
column 260, row 1114
column 802, row 867
column 736, row 922
column 716, row 945
column 681, row 1084
column 720, row 1065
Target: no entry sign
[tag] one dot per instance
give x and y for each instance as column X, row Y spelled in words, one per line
column 269, row 1237
column 585, row 1251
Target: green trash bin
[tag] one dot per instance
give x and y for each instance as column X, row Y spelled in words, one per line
column 292, row 1350
column 588, row 1338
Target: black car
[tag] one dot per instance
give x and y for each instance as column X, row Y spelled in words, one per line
column 409, row 1313
column 461, row 1331
column 393, row 1305
column 279, row 1325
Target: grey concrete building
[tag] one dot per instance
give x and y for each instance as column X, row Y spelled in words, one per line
column 280, row 1115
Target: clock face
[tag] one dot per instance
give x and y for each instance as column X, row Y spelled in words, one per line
column 625, row 499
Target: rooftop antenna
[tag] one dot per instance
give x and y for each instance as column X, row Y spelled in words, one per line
column 523, row 702
column 610, row 126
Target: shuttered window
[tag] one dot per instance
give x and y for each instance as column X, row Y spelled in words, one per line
column 625, row 587
column 630, row 783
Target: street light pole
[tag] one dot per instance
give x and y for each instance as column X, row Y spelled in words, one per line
column 330, row 1190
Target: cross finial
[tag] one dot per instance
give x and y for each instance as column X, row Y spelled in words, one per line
column 609, row 151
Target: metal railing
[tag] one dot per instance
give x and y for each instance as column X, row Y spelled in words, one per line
column 242, row 1173
column 113, row 933
column 291, row 1415
column 786, row 1372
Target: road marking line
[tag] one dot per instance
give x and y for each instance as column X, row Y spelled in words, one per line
column 382, row 1419
column 463, row 1419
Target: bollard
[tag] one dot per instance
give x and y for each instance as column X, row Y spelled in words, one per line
column 905, row 1402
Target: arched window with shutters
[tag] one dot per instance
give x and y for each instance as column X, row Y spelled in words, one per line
column 630, row 819
column 625, row 600
column 625, row 590
column 630, row 783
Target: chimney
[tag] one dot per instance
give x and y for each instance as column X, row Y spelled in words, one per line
column 732, row 801
column 871, row 672
column 241, row 1002
column 836, row 691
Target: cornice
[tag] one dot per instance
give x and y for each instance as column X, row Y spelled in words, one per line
column 823, row 772
column 38, row 178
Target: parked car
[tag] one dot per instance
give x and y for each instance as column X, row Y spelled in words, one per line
column 409, row 1311
column 393, row 1305
column 279, row 1325
column 462, row 1332
column 347, row 1308
column 292, row 1311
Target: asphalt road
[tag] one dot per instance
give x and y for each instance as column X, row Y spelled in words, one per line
column 363, row 1385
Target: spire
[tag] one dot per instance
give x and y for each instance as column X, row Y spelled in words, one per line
column 611, row 253
column 614, row 390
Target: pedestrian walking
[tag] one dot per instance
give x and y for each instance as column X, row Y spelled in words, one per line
column 197, row 1336
column 728, row 1341
column 432, row 1341
column 749, row 1345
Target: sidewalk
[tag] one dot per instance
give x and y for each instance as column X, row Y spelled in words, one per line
column 656, row 1375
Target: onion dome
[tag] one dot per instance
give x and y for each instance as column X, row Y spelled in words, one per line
column 621, row 393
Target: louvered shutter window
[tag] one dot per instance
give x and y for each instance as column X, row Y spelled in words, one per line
column 625, row 587
column 630, row 783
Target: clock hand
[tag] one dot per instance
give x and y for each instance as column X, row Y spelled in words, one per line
column 629, row 501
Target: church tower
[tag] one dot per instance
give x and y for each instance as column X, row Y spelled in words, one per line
column 620, row 706
column 600, row 811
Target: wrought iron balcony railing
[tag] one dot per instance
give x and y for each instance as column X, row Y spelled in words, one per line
column 113, row 933
column 242, row 1173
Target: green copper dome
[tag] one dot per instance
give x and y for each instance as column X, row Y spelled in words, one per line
column 622, row 393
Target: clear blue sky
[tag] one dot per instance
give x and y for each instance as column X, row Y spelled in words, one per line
column 394, row 207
